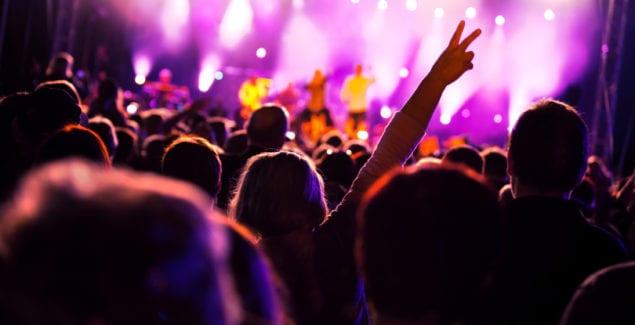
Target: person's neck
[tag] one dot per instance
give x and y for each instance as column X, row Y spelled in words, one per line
column 520, row 190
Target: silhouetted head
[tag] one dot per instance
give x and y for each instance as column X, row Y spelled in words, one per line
column 548, row 148
column 430, row 240
column 60, row 67
column 106, row 132
column 279, row 193
column 236, row 143
column 267, row 127
column 465, row 155
column 114, row 247
column 358, row 70
column 165, row 76
column 74, row 141
column 495, row 166
column 194, row 160
column 107, row 89
column 63, row 85
column 127, row 148
column 338, row 167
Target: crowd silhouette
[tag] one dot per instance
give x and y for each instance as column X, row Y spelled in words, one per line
column 164, row 217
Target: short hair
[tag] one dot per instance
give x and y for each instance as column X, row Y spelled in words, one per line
column 279, row 192
column 548, row 146
column 48, row 110
column 430, row 239
column 106, row 132
column 74, row 141
column 123, row 247
column 465, row 155
column 63, row 85
column 127, row 148
column 195, row 160
column 267, row 127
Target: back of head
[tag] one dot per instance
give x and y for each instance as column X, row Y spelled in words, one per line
column 338, row 167
column 74, row 141
column 194, row 160
column 107, row 89
column 112, row 247
column 127, row 147
column 430, row 240
column 495, row 166
column 548, row 147
column 47, row 111
column 60, row 67
column 278, row 193
column 465, row 155
column 267, row 127
column 63, row 85
column 106, row 132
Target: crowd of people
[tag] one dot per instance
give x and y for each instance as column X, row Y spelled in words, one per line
column 165, row 217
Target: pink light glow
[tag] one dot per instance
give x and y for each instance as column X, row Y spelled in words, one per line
column 142, row 66
column 208, row 73
column 174, row 18
column 236, row 23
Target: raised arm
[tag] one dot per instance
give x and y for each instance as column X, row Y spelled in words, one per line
column 406, row 129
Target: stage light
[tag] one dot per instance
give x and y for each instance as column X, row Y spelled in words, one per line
column 466, row 113
column 290, row 135
column 142, row 66
column 385, row 112
column 382, row 5
column 404, row 72
column 500, row 20
column 445, row 119
column 355, row 1
column 439, row 12
column 209, row 69
column 236, row 23
column 362, row 135
column 261, row 52
column 470, row 12
column 605, row 49
column 140, row 80
column 218, row 75
column 498, row 118
column 549, row 15
column 298, row 4
column 411, row 5
column 132, row 108
column 174, row 18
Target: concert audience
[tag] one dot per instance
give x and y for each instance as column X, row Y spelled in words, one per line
column 335, row 223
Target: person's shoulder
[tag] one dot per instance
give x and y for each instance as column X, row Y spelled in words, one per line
column 604, row 239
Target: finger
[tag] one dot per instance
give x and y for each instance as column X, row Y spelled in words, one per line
column 469, row 66
column 456, row 37
column 469, row 56
column 468, row 40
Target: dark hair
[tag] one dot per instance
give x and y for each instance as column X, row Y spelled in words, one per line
column 495, row 166
column 127, row 148
column 465, row 155
column 48, row 110
column 278, row 193
column 267, row 127
column 74, row 141
column 548, row 146
column 195, row 160
column 236, row 143
column 431, row 238
column 63, row 85
column 106, row 132
column 113, row 246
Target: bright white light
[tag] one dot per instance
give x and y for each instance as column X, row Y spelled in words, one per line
column 382, row 5
column 500, row 20
column 218, row 75
column 329, row 151
column 140, row 80
column 470, row 12
column 466, row 113
column 261, row 52
column 445, row 119
column 208, row 72
column 404, row 72
column 385, row 112
column 298, row 4
column 142, row 66
column 174, row 18
column 236, row 23
column 132, row 108
column 411, row 5
column 362, row 135
column 439, row 12
column 498, row 118
column 290, row 135
column 355, row 1
column 549, row 15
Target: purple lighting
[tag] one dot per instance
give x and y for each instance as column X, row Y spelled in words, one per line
column 261, row 52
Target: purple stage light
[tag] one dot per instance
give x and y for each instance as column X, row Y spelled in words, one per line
column 439, row 12
column 411, row 5
column 382, row 5
column 261, row 52
column 499, row 20
column 445, row 119
column 404, row 72
column 470, row 12
column 498, row 118
column 236, row 23
column 549, row 15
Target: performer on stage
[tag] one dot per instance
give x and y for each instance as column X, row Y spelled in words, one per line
column 354, row 97
column 288, row 99
column 315, row 120
column 251, row 95
column 164, row 94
